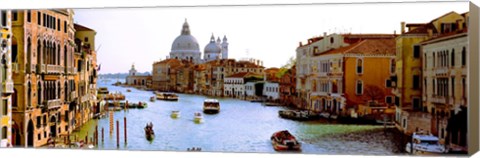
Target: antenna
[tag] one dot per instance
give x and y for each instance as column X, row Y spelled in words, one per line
column 100, row 46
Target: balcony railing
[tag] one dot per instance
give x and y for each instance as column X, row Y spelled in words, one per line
column 40, row 68
column 15, row 68
column 54, row 69
column 7, row 87
column 54, row 103
column 443, row 70
column 439, row 99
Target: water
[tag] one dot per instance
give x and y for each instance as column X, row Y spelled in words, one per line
column 241, row 126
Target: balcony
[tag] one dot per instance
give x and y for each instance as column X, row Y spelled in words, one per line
column 33, row 68
column 442, row 70
column 7, row 87
column 54, row 69
column 54, row 104
column 84, row 98
column 73, row 95
column 439, row 99
column 40, row 68
column 15, row 68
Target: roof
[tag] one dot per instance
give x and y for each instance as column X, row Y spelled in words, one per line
column 446, row 35
column 367, row 47
column 239, row 75
column 79, row 27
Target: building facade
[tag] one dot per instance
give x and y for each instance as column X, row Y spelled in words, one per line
column 6, row 89
column 42, row 64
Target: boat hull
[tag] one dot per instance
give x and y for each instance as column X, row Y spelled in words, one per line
column 211, row 111
column 281, row 147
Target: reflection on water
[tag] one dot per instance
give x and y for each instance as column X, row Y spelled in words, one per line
column 240, row 126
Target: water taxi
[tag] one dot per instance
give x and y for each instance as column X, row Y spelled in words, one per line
column 167, row 96
column 283, row 140
column 198, row 118
column 211, row 106
column 175, row 114
column 424, row 144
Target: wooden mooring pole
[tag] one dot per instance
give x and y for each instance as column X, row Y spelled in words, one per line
column 125, row 128
column 96, row 135
column 102, row 134
column 118, row 135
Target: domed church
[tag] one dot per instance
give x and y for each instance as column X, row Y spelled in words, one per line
column 186, row 47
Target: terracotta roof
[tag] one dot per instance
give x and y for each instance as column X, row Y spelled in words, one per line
column 367, row 47
column 446, row 35
column 79, row 27
column 423, row 29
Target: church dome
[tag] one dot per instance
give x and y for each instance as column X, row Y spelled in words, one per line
column 212, row 47
column 185, row 42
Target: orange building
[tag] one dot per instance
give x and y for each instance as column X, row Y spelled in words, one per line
column 354, row 75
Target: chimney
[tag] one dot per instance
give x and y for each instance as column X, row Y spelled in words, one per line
column 324, row 42
column 403, row 27
column 430, row 32
column 394, row 32
column 299, row 44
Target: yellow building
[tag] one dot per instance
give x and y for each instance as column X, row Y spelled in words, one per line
column 42, row 53
column 408, row 79
column 6, row 79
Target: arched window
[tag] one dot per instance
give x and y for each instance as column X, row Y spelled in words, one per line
column 392, row 66
column 433, row 59
column 66, row 91
column 59, row 88
column 39, row 93
column 29, row 55
column 359, row 66
column 359, row 87
column 464, row 56
column 4, row 132
column 452, row 58
column 39, row 51
column 14, row 98
column 29, row 96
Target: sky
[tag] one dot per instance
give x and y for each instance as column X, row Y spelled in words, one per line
column 141, row 36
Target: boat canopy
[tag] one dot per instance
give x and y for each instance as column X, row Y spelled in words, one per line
column 211, row 101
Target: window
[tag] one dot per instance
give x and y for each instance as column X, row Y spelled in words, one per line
column 464, row 88
column 54, row 23
column 416, row 82
column 44, row 20
column 397, row 101
column 39, row 18
column 359, row 66
column 29, row 16
column 39, row 121
column 331, row 40
column 388, row 83
column 65, row 26
column 14, row 15
column 359, row 88
column 434, row 87
column 315, row 49
column 417, row 104
column 392, row 66
column 4, row 18
column 86, row 39
column 58, row 25
column 453, row 87
column 4, row 132
column 464, row 57
column 5, row 107
column 416, row 52
column 388, row 99
column 452, row 58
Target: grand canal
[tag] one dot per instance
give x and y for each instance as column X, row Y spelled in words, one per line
column 241, row 126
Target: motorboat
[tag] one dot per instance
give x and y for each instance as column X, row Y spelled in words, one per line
column 424, row 144
column 198, row 118
column 211, row 106
column 128, row 90
column 167, row 96
column 284, row 140
column 152, row 99
column 175, row 114
column 149, row 133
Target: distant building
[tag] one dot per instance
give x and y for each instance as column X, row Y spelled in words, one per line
column 7, row 138
column 271, row 90
column 234, row 85
column 133, row 79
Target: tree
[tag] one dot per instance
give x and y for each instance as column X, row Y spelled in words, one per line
column 291, row 61
column 373, row 93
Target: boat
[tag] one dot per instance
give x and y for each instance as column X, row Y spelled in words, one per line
column 272, row 104
column 128, row 90
column 211, row 106
column 175, row 114
column 102, row 91
column 283, row 140
column 152, row 99
column 149, row 133
column 424, row 144
column 198, row 118
column 167, row 96
column 140, row 105
column 298, row 115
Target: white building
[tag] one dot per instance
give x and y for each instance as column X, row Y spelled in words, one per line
column 271, row 90
column 234, row 85
column 185, row 47
column 250, row 89
column 445, row 81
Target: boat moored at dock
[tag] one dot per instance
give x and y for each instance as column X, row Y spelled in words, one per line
column 284, row 140
column 424, row 144
column 166, row 96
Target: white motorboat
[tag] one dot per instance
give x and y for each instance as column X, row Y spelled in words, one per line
column 211, row 106
column 198, row 118
column 425, row 144
column 175, row 114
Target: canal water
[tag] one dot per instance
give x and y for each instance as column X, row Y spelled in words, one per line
column 241, row 126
